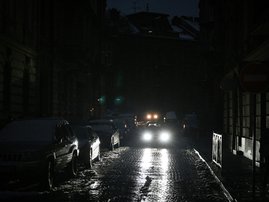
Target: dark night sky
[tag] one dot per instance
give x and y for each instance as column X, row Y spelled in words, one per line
column 171, row 7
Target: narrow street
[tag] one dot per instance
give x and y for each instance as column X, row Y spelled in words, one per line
column 134, row 174
column 89, row 88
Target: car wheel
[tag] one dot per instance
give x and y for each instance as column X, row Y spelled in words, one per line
column 73, row 165
column 48, row 180
column 99, row 156
column 89, row 163
column 118, row 145
column 112, row 146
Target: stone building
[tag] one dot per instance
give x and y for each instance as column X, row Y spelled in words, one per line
column 236, row 32
column 50, row 58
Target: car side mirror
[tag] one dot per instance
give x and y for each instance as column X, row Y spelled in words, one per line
column 58, row 140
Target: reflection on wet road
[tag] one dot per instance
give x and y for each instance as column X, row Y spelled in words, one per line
column 129, row 174
column 154, row 165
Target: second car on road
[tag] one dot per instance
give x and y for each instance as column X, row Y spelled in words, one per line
column 107, row 132
column 88, row 143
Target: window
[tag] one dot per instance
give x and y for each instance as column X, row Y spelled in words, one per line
column 246, row 115
column 258, row 116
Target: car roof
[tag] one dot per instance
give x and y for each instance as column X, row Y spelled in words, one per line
column 31, row 129
column 58, row 120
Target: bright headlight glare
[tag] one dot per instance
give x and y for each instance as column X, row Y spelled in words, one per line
column 147, row 136
column 164, row 136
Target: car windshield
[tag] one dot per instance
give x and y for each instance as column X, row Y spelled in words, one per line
column 80, row 131
column 153, row 124
column 33, row 130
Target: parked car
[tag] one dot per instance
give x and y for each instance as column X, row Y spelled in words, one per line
column 107, row 132
column 130, row 120
column 122, row 127
column 88, row 144
column 190, row 125
column 172, row 123
column 38, row 149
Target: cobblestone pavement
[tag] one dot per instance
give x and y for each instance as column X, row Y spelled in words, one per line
column 135, row 174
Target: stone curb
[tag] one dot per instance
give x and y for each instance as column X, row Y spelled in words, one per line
column 226, row 192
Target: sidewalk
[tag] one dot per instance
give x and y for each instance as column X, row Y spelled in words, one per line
column 236, row 173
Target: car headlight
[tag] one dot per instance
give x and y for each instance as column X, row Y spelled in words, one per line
column 147, row 136
column 164, row 136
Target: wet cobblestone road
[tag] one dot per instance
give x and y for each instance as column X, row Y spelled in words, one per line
column 134, row 174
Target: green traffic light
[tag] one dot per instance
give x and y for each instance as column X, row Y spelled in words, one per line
column 118, row 100
column 102, row 99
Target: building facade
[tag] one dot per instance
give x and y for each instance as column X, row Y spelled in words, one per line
column 50, row 62
column 237, row 32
